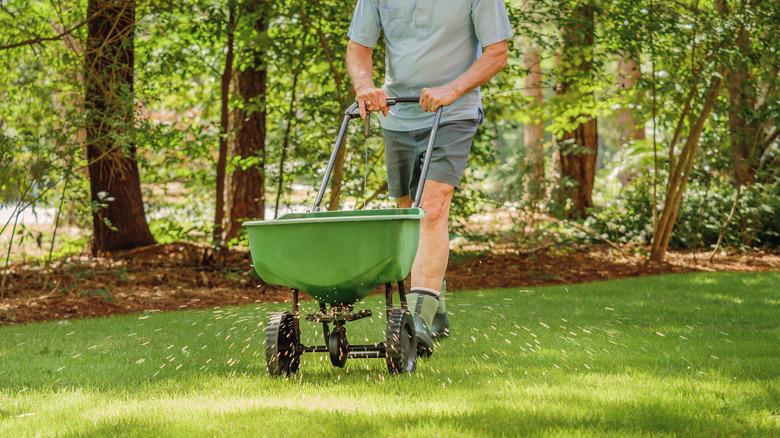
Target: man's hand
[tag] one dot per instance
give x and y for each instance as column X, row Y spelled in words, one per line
column 372, row 99
column 359, row 67
column 432, row 98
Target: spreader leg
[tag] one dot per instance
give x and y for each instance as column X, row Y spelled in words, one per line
column 296, row 317
column 402, row 293
column 388, row 298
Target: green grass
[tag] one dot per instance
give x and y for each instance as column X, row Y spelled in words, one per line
column 679, row 355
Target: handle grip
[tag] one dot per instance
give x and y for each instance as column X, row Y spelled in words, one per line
column 354, row 110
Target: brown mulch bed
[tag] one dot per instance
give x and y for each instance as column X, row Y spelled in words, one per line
column 186, row 276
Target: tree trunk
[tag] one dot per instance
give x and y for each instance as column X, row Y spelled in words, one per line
column 533, row 132
column 337, row 177
column 119, row 221
column 219, row 211
column 246, row 186
column 286, row 141
column 630, row 130
column 628, row 75
column 578, row 148
column 679, row 176
column 744, row 133
column 578, row 163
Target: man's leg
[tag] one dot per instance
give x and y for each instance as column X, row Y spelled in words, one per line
column 448, row 160
column 434, row 249
column 430, row 264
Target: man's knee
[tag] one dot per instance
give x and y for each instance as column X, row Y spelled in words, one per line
column 436, row 202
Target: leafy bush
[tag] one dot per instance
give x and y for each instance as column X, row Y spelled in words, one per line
column 704, row 210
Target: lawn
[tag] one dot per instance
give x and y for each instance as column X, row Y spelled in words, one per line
column 675, row 355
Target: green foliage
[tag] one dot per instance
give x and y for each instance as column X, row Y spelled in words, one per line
column 68, row 246
column 180, row 55
column 704, row 210
column 168, row 231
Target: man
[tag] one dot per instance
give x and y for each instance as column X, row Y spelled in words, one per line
column 443, row 51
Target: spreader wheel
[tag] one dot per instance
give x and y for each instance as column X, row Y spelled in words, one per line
column 281, row 340
column 338, row 347
column 401, row 343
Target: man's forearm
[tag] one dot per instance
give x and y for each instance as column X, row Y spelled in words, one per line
column 493, row 59
column 360, row 66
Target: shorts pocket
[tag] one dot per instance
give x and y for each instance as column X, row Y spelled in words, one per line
column 393, row 23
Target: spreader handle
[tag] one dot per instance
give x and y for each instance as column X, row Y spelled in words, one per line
column 354, row 112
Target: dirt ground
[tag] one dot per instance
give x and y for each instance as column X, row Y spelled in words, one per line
column 186, row 276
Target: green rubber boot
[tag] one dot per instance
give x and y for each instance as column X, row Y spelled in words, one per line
column 423, row 304
column 440, row 327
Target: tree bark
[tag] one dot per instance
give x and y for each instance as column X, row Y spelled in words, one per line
column 578, row 148
column 246, row 186
column 533, row 131
column 119, row 221
column 219, row 211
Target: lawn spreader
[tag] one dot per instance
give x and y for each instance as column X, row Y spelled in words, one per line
column 338, row 258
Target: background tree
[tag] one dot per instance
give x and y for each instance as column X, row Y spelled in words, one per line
column 118, row 212
column 246, row 148
column 224, row 123
column 533, row 133
column 578, row 139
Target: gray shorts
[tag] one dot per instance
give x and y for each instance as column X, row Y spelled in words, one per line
column 405, row 154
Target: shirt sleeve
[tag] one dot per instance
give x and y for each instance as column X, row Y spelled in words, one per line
column 366, row 23
column 491, row 21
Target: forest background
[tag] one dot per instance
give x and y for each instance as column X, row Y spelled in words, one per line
column 643, row 125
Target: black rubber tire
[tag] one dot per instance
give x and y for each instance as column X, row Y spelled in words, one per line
column 338, row 346
column 281, row 341
column 400, row 342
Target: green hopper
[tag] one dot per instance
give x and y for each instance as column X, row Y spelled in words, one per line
column 336, row 257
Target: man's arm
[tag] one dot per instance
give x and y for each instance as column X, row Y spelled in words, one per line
column 491, row 62
column 360, row 67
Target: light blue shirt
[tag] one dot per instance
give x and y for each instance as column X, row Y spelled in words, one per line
column 429, row 44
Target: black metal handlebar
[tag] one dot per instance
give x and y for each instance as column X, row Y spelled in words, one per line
column 354, row 112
